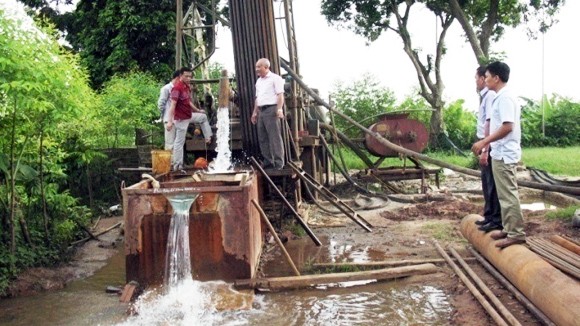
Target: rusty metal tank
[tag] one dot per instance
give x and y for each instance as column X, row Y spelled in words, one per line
column 400, row 130
column 225, row 231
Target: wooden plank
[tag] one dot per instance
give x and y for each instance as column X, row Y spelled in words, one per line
column 296, row 282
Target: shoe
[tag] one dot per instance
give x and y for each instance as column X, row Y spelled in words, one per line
column 498, row 235
column 508, row 242
column 208, row 141
column 490, row 227
column 280, row 168
column 482, row 222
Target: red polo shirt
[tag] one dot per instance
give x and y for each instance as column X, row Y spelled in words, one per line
column 181, row 93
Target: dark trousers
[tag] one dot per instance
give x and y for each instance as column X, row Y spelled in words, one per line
column 491, row 209
column 270, row 137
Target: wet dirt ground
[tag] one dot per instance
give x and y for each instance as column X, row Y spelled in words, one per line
column 404, row 227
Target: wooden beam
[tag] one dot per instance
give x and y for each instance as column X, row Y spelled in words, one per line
column 304, row 281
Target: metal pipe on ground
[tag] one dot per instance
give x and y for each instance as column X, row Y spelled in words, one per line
column 486, row 305
column 500, row 307
column 565, row 243
column 283, row 198
column 556, row 294
column 410, row 153
column 515, row 292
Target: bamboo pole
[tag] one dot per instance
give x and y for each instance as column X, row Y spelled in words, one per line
column 304, row 281
column 490, row 310
column 278, row 241
column 500, row 307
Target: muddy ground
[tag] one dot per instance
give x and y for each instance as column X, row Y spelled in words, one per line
column 404, row 227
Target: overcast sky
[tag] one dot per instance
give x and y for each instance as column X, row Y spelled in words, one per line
column 328, row 55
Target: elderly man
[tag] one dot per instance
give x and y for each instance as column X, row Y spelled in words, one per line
column 268, row 112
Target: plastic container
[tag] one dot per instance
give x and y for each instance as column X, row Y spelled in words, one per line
column 160, row 161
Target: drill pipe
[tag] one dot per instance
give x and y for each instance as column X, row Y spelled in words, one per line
column 556, row 294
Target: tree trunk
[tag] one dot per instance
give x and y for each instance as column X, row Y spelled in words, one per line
column 436, row 127
column 42, row 191
column 13, row 182
column 24, row 230
column 430, row 90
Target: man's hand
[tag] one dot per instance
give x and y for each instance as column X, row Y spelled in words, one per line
column 254, row 117
column 200, row 111
column 483, row 159
column 280, row 113
column 168, row 125
column 477, row 147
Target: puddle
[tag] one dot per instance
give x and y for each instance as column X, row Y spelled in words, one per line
column 538, row 206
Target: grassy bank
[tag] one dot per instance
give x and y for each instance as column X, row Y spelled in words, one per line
column 554, row 160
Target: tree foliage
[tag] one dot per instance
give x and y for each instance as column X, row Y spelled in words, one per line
column 120, row 36
column 363, row 100
column 44, row 100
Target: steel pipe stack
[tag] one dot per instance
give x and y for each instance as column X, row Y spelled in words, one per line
column 254, row 37
column 556, row 294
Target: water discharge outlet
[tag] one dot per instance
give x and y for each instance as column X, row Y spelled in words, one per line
column 177, row 258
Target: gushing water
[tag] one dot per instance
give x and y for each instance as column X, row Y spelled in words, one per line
column 177, row 258
column 223, row 161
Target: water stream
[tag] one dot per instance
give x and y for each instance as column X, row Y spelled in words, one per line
column 177, row 257
column 223, row 161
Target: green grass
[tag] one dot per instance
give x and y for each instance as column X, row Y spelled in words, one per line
column 554, row 160
column 562, row 213
column 439, row 231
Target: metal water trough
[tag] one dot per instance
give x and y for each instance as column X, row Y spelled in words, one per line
column 224, row 229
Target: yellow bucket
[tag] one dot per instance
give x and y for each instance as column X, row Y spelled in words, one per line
column 160, row 161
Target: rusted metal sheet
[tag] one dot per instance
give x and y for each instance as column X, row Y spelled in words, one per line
column 225, row 231
column 398, row 129
column 254, row 37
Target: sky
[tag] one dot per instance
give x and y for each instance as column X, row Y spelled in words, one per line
column 328, row 55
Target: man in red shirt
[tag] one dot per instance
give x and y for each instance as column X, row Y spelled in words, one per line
column 181, row 113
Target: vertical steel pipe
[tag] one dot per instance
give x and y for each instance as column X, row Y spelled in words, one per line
column 556, row 294
column 254, row 37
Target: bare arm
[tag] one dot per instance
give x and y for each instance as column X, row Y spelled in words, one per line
column 255, row 113
column 500, row 133
column 280, row 104
column 171, row 114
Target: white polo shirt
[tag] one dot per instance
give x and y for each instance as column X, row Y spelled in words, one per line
column 487, row 97
column 267, row 89
column 505, row 108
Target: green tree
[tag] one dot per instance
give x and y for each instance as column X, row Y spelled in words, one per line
column 371, row 18
column 120, row 36
column 485, row 21
column 363, row 101
column 44, row 100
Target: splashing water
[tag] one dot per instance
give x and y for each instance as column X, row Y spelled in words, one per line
column 223, row 161
column 177, row 258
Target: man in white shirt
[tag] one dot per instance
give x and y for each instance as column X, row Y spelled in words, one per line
column 504, row 138
column 267, row 114
column 164, row 103
column 491, row 209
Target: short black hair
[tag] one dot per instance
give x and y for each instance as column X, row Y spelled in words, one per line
column 176, row 74
column 184, row 69
column 481, row 71
column 499, row 69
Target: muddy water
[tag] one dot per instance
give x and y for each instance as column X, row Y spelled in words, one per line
column 386, row 303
